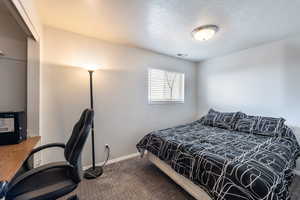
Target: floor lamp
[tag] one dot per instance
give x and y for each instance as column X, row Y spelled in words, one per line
column 94, row 171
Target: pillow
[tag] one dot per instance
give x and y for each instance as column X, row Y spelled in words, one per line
column 268, row 126
column 288, row 133
column 245, row 123
column 220, row 119
column 201, row 120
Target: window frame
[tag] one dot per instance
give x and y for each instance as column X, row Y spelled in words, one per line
column 150, row 102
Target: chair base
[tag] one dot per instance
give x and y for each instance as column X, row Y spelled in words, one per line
column 93, row 173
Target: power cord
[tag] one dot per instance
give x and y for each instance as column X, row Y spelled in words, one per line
column 92, row 173
column 107, row 150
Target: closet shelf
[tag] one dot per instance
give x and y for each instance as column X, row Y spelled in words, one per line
column 12, row 59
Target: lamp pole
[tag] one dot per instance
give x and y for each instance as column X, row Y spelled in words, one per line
column 94, row 171
column 92, row 107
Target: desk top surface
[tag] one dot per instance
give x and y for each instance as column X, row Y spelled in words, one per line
column 13, row 156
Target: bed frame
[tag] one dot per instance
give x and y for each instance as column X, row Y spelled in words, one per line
column 185, row 183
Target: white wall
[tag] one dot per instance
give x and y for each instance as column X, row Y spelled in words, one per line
column 264, row 80
column 123, row 115
column 12, row 72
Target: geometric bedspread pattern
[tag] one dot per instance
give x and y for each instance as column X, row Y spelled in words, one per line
column 228, row 165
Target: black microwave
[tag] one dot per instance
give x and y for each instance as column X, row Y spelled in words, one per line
column 13, row 128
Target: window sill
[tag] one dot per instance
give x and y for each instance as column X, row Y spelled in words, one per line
column 164, row 102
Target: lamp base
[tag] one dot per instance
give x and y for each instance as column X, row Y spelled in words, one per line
column 93, row 173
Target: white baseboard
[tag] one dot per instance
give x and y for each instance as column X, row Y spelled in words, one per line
column 115, row 160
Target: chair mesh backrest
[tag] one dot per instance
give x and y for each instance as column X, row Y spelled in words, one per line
column 78, row 138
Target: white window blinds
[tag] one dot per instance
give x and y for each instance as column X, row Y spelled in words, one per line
column 165, row 86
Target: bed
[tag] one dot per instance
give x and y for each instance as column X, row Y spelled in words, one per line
column 221, row 163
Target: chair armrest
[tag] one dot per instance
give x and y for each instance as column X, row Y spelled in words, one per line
column 40, row 148
column 46, row 146
column 38, row 170
column 3, row 188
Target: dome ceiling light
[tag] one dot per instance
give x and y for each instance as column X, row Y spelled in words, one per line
column 181, row 55
column 204, row 33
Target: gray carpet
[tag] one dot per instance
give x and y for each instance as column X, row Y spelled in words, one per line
column 138, row 179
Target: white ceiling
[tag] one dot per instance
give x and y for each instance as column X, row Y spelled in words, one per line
column 165, row 26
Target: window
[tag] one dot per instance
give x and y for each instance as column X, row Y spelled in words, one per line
column 165, row 86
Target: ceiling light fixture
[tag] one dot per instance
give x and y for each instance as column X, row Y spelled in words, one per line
column 204, row 33
column 181, row 55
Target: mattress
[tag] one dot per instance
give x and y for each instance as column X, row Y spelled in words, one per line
column 228, row 165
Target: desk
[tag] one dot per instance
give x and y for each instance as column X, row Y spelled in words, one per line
column 13, row 156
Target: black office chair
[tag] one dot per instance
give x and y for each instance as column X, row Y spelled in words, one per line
column 54, row 180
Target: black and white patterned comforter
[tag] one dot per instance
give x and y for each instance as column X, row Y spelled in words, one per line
column 228, row 165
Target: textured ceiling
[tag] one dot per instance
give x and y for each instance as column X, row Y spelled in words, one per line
column 165, row 26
